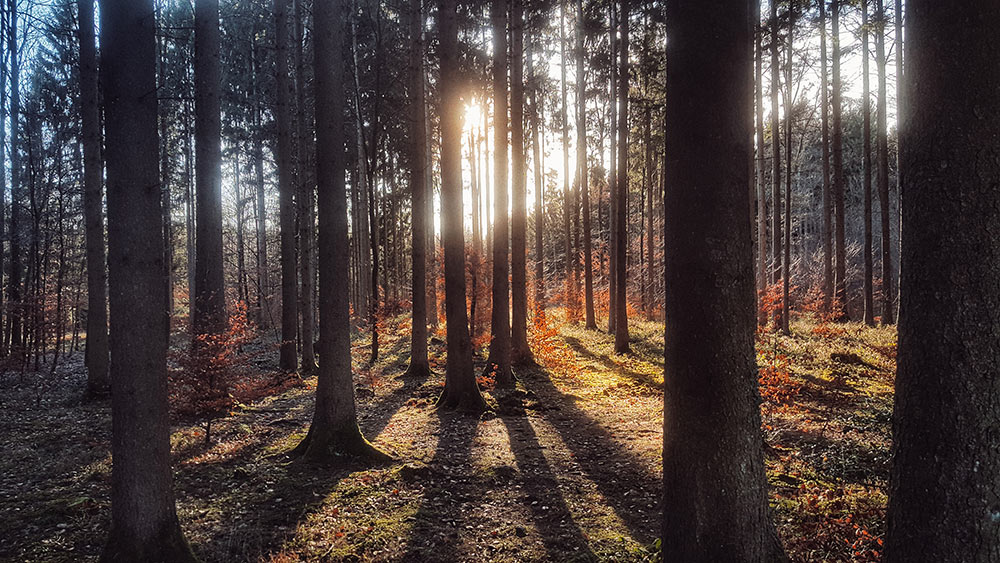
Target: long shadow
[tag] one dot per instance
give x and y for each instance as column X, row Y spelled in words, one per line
column 438, row 522
column 632, row 491
column 562, row 536
column 606, row 361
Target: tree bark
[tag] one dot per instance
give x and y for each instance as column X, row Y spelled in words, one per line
column 98, row 383
column 460, row 390
column 775, row 151
column 761, row 186
column 571, row 301
column 840, row 244
column 882, row 165
column 583, row 181
column 715, row 510
column 621, row 186
column 306, row 190
column 144, row 525
column 500, row 342
column 866, row 109
column 613, row 173
column 786, row 271
column 827, row 230
column 209, row 315
column 520, row 351
column 15, row 314
column 334, row 430
column 943, row 480
column 536, row 160
column 284, row 160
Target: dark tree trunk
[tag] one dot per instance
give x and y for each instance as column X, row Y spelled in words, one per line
column 461, row 390
column 520, row 351
column 762, row 281
column 889, row 298
column 866, row 109
column 500, row 344
column 209, row 315
column 709, row 254
column 613, row 174
column 419, row 365
column 786, row 271
column 97, row 315
column 943, row 481
column 840, row 244
column 775, row 150
column 334, row 430
column 571, row 301
column 882, row 166
column 827, row 230
column 15, row 314
column 144, row 525
column 306, row 193
column 263, row 274
column 284, row 159
column 536, row 160
column 621, row 187
column 583, row 181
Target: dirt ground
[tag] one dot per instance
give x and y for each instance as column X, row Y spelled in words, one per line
column 565, row 468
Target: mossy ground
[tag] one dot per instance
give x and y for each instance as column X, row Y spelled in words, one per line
column 566, row 468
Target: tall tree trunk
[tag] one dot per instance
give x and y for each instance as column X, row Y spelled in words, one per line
column 284, row 159
column 209, row 314
column 889, row 298
column 263, row 274
column 520, row 351
column 709, row 254
column 839, row 188
column 571, row 298
column 432, row 268
column 98, row 383
column 613, row 172
column 761, row 186
column 536, row 160
column 775, row 151
column 334, row 430
column 144, row 525
column 866, row 109
column 882, row 148
column 419, row 365
column 500, row 344
column 306, row 193
column 827, row 230
column 241, row 272
column 14, row 301
column 583, row 181
column 621, row 186
column 460, row 390
column 942, row 484
column 786, row 271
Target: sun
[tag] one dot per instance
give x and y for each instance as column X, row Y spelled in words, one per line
column 473, row 117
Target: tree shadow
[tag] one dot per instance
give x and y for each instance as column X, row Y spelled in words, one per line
column 560, row 533
column 640, row 378
column 627, row 485
column 447, row 492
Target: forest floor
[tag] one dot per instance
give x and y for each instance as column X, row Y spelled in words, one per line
column 565, row 468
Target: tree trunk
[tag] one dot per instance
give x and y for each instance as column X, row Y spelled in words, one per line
column 583, row 181
column 209, row 315
column 840, row 244
column 613, row 174
column 943, row 480
column 786, row 271
column 500, row 343
column 866, row 109
column 306, row 192
column 709, row 254
column 775, row 151
column 882, row 148
column 621, row 186
column 520, row 351
column 460, row 390
column 827, row 230
column 571, row 301
column 144, row 525
column 536, row 160
column 888, row 315
column 263, row 274
column 761, row 187
column 286, row 192
column 97, row 316
column 14, row 301
column 334, row 430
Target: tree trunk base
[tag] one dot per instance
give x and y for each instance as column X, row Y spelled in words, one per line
column 168, row 547
column 417, row 370
column 326, row 446
column 470, row 402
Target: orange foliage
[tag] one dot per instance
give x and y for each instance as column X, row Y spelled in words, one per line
column 777, row 389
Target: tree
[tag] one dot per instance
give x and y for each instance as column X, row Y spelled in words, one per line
column 827, row 230
column 775, row 149
column 840, row 244
column 572, row 299
column 762, row 281
column 500, row 345
column 209, row 315
column 866, row 109
column 286, row 190
column 942, row 483
column 14, row 337
column 419, row 365
column 306, row 195
column 786, row 261
column 882, row 164
column 144, row 525
column 711, row 400
column 536, row 160
column 97, row 315
column 334, row 429
column 582, row 182
column 460, row 389
column 520, row 351
column 621, row 187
